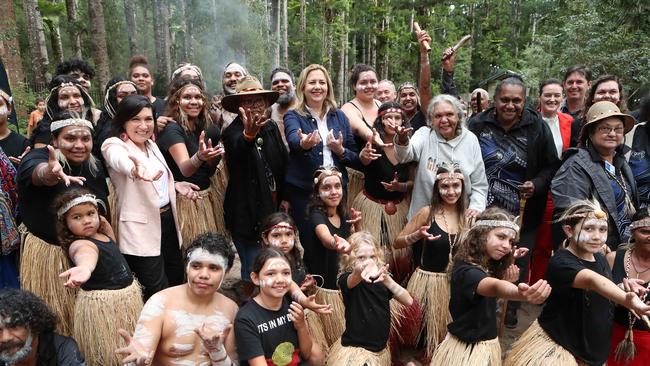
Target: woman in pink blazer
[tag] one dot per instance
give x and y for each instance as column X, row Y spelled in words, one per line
column 149, row 233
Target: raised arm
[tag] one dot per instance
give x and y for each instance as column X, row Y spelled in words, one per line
column 425, row 71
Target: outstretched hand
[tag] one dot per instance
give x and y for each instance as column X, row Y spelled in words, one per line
column 537, row 293
column 134, row 351
column 187, row 189
column 213, row 339
column 341, row 245
column 77, row 276
column 376, row 139
column 368, row 153
column 403, row 134
column 55, row 167
column 252, row 121
column 139, row 171
column 18, row 159
column 394, row 185
column 310, row 303
column 207, row 151
column 309, row 140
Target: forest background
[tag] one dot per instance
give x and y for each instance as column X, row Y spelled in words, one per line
column 537, row 39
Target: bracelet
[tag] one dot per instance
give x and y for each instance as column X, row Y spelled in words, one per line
column 196, row 161
column 248, row 137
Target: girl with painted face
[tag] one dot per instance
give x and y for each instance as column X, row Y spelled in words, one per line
column 109, row 298
column 329, row 226
column 481, row 272
column 383, row 199
column 271, row 329
column 575, row 325
column 279, row 231
column 630, row 340
column 191, row 149
column 66, row 94
column 367, row 289
column 436, row 229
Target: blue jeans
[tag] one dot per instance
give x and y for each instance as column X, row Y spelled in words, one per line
column 8, row 271
column 247, row 250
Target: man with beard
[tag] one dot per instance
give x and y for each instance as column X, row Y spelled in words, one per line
column 282, row 82
column 27, row 336
column 231, row 74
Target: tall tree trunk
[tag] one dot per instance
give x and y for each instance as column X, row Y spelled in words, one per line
column 274, row 33
column 55, row 40
column 129, row 12
column 342, row 47
column 98, row 47
column 303, row 36
column 162, row 44
column 285, row 34
column 146, row 20
column 185, row 49
column 73, row 27
column 9, row 46
column 36, row 39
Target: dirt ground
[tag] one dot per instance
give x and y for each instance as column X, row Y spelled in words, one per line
column 232, row 287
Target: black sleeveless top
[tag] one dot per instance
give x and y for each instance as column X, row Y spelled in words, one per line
column 621, row 316
column 359, row 140
column 382, row 170
column 435, row 253
column 111, row 272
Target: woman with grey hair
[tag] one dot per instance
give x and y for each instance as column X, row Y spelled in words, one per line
column 444, row 139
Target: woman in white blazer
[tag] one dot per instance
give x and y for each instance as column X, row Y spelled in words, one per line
column 148, row 230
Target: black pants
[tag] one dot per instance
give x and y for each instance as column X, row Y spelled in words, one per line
column 169, row 249
column 150, row 272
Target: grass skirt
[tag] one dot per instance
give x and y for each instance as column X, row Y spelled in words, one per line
column 536, row 348
column 454, row 352
column 218, row 185
column 332, row 324
column 385, row 228
column 196, row 217
column 315, row 328
column 431, row 289
column 356, row 356
column 98, row 315
column 355, row 185
column 40, row 266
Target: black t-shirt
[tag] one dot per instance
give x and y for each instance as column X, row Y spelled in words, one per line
column 35, row 202
column 268, row 333
column 367, row 314
column 418, row 120
column 111, row 272
column 159, row 105
column 382, row 170
column 578, row 320
column 14, row 144
column 435, row 253
column 174, row 134
column 474, row 316
column 318, row 259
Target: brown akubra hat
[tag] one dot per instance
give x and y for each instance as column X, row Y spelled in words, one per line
column 247, row 86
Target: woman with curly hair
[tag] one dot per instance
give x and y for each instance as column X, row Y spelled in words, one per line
column 482, row 270
column 191, row 151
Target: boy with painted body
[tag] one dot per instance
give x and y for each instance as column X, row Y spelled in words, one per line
column 189, row 323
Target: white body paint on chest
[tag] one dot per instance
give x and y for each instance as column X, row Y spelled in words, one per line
column 186, row 322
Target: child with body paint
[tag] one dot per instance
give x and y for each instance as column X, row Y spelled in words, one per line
column 437, row 229
column 576, row 324
column 479, row 271
column 271, row 329
column 190, row 323
column 367, row 289
column 279, row 231
column 329, row 227
column 109, row 298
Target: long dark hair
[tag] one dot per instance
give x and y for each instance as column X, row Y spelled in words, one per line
column 264, row 255
column 275, row 218
column 174, row 110
column 315, row 203
column 438, row 202
column 622, row 105
column 472, row 248
column 52, row 102
column 129, row 107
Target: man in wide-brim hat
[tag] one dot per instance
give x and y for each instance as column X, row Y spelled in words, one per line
column 257, row 160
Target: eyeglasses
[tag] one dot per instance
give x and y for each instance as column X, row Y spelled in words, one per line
column 606, row 130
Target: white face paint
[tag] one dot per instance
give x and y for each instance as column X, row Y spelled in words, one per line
column 450, row 190
column 4, row 111
column 186, row 322
column 592, row 235
column 143, row 336
column 331, row 190
column 201, row 255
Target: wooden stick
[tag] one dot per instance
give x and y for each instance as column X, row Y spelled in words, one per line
column 416, row 26
column 458, row 45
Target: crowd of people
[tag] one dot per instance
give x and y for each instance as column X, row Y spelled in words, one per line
column 395, row 221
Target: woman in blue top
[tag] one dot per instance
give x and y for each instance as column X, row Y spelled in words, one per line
column 318, row 134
